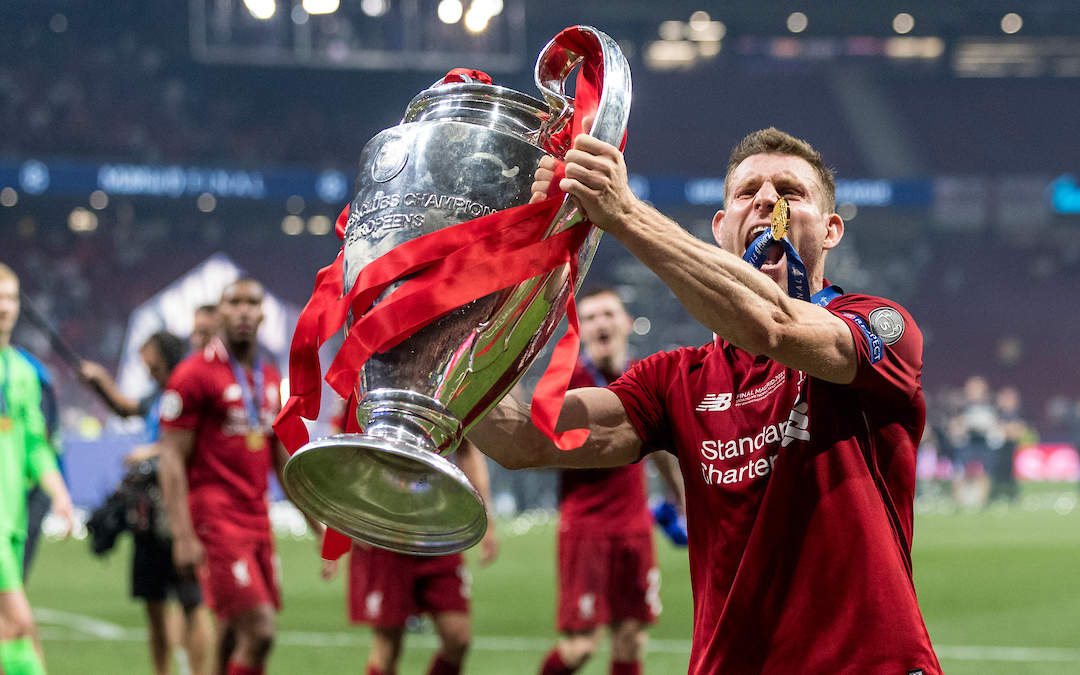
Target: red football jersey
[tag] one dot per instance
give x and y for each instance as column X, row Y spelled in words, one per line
column 229, row 465
column 606, row 501
column 799, row 499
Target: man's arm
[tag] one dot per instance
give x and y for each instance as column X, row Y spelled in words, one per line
column 724, row 293
column 53, row 485
column 507, row 435
column 474, row 466
column 95, row 374
column 176, row 446
column 41, row 458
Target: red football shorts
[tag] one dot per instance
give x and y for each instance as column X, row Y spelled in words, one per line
column 386, row 588
column 606, row 578
column 242, row 571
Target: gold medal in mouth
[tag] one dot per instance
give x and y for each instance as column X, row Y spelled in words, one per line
column 780, row 217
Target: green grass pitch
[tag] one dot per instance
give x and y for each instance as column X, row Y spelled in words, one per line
column 1000, row 591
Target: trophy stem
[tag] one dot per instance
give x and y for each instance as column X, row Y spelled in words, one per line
column 400, row 415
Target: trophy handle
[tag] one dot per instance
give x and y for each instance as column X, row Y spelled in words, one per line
column 553, row 67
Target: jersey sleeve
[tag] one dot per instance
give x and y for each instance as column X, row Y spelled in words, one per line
column 183, row 398
column 888, row 345
column 641, row 390
column 41, row 459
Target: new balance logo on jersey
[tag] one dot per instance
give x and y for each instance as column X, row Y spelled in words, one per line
column 714, row 403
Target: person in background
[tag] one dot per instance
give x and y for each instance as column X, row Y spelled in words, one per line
column 217, row 448
column 977, row 434
column 26, row 458
column 607, row 573
column 385, row 588
column 1016, row 432
column 204, row 328
column 153, row 575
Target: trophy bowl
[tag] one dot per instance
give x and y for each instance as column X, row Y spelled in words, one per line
column 463, row 150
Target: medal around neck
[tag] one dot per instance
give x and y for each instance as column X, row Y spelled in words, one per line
column 464, row 149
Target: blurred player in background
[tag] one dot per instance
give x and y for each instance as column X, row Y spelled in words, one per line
column 204, row 328
column 976, row 434
column 796, row 427
column 385, row 588
column 25, row 459
column 153, row 574
column 606, row 556
column 217, row 448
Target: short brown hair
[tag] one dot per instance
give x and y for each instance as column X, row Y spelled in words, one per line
column 772, row 141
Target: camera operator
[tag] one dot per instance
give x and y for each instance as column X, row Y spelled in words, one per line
column 154, row 575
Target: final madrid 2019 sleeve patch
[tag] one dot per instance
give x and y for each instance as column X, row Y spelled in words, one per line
column 888, row 324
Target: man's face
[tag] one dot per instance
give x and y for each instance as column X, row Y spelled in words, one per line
column 605, row 328
column 240, row 311
column 755, row 186
column 155, row 363
column 9, row 305
column 204, row 330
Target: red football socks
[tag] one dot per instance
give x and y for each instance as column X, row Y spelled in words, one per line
column 372, row 670
column 240, row 669
column 440, row 666
column 625, row 668
column 553, row 664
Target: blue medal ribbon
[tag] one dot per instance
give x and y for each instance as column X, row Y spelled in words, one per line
column 251, row 404
column 798, row 285
column 826, row 295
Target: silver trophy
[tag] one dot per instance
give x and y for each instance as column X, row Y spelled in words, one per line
column 463, row 150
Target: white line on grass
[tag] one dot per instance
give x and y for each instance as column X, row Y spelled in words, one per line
column 62, row 626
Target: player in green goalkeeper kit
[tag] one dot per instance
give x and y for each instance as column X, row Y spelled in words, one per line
column 25, row 459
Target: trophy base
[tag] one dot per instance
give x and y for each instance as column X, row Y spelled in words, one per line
column 386, row 493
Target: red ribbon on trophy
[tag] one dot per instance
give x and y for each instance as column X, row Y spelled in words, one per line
column 447, row 269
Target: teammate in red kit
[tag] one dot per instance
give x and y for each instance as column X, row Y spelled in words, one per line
column 796, row 428
column 217, row 448
column 607, row 563
column 385, row 588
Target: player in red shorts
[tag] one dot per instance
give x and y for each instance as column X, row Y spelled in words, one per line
column 796, row 427
column 385, row 588
column 607, row 563
column 217, row 448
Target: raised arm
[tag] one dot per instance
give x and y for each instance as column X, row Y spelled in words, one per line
column 95, row 374
column 176, row 446
column 507, row 435
column 724, row 293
